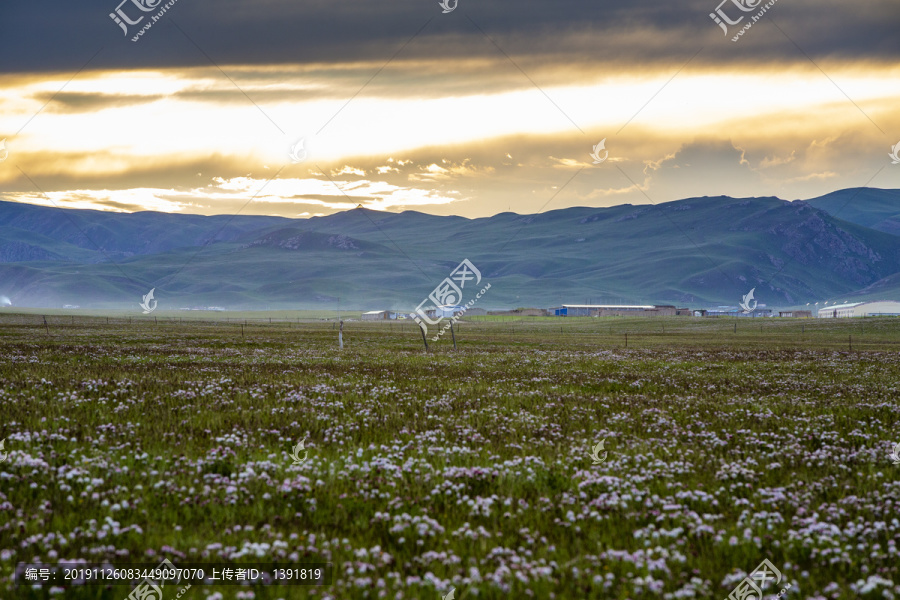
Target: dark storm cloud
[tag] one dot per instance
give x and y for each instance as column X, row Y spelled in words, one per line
column 63, row 35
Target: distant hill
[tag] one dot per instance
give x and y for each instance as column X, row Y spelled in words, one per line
column 697, row 252
column 878, row 209
column 108, row 235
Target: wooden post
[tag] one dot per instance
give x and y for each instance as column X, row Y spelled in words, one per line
column 626, row 340
column 46, row 326
column 453, row 335
column 851, row 343
column 424, row 339
column 341, row 336
column 735, row 327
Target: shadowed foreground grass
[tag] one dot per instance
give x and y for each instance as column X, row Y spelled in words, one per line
column 470, row 469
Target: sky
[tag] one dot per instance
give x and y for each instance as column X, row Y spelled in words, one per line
column 308, row 108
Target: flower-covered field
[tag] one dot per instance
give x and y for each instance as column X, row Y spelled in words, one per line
column 469, row 470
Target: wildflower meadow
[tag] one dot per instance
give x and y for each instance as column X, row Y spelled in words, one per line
column 474, row 470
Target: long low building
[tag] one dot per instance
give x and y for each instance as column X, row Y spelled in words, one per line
column 879, row 308
column 795, row 314
column 376, row 315
column 731, row 311
column 617, row 310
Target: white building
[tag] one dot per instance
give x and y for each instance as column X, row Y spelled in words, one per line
column 375, row 315
column 880, row 308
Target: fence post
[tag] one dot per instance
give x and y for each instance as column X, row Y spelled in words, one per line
column 424, row 339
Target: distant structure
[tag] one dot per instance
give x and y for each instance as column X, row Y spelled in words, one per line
column 519, row 312
column 795, row 314
column 880, row 308
column 618, row 310
column 733, row 311
column 377, row 315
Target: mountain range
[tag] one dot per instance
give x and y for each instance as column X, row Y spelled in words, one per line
column 693, row 252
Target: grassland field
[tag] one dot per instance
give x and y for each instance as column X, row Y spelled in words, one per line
column 726, row 441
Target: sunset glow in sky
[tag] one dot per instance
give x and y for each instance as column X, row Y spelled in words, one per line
column 489, row 108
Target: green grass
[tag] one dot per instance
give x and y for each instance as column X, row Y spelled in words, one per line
column 723, row 449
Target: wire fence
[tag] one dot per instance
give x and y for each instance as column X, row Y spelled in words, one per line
column 862, row 334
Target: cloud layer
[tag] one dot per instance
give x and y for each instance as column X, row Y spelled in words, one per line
column 493, row 107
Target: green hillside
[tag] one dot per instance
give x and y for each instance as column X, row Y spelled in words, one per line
column 878, row 209
column 697, row 252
